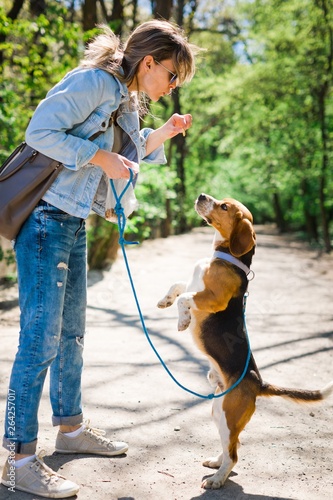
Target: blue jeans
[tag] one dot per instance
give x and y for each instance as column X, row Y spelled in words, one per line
column 51, row 263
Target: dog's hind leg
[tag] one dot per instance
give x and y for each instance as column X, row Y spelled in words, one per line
column 224, row 462
column 236, row 411
column 219, row 420
column 174, row 292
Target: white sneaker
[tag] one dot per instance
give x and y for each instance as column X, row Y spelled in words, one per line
column 37, row 478
column 90, row 441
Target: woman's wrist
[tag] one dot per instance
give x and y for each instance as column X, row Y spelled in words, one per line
column 156, row 138
column 97, row 159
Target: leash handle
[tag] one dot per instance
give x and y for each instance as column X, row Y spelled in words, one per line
column 121, row 224
column 119, row 211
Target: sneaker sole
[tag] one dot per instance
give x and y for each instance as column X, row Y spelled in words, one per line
column 51, row 495
column 100, row 453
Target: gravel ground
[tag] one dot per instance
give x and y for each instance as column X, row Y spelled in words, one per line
column 286, row 450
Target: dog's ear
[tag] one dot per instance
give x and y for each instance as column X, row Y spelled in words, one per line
column 242, row 238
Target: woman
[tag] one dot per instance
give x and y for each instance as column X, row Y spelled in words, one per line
column 89, row 121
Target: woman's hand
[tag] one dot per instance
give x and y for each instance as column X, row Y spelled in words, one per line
column 114, row 165
column 177, row 124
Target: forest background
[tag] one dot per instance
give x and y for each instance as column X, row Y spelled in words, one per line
column 261, row 102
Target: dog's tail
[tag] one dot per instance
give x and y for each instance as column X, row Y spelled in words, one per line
column 297, row 395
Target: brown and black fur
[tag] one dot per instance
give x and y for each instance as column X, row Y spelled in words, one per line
column 212, row 305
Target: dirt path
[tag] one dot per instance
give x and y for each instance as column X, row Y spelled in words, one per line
column 286, row 450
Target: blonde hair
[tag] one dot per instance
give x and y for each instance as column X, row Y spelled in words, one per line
column 160, row 39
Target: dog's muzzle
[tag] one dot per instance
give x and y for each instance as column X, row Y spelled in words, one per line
column 204, row 205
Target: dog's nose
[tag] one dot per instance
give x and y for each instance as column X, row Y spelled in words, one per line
column 202, row 197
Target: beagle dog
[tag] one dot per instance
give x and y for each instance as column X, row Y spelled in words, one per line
column 212, row 305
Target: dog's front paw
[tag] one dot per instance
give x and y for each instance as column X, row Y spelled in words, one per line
column 184, row 309
column 212, row 484
column 184, row 320
column 165, row 302
column 175, row 290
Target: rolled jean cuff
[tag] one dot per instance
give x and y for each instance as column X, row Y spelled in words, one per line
column 73, row 420
column 13, row 446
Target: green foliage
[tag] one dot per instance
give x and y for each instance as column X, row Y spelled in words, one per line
column 279, row 133
column 7, row 256
column 36, row 54
column 261, row 102
column 154, row 190
column 256, row 131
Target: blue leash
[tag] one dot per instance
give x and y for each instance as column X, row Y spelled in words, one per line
column 119, row 211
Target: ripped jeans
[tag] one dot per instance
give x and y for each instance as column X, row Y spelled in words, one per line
column 51, row 262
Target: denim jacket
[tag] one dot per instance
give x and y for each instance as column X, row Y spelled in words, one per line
column 79, row 106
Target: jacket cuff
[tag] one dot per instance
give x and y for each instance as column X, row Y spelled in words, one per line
column 157, row 156
column 85, row 153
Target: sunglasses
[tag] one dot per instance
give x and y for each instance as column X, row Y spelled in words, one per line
column 174, row 75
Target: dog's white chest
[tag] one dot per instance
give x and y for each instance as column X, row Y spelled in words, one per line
column 196, row 284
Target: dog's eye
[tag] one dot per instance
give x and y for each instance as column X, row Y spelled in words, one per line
column 224, row 206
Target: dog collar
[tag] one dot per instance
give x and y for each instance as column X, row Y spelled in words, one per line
column 234, row 261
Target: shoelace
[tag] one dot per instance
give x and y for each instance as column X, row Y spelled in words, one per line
column 98, row 433
column 40, row 466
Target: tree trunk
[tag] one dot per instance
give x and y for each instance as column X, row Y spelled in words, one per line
column 166, row 223
column 323, row 94
column 37, row 7
column 280, row 220
column 103, row 243
column 310, row 219
column 134, row 13
column 323, row 174
column 15, row 10
column 89, row 14
column 117, row 16
column 104, row 11
column 162, row 9
column 179, row 141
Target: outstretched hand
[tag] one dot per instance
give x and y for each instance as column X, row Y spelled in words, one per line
column 177, row 124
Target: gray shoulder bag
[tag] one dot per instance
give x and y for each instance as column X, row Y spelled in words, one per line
column 25, row 177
